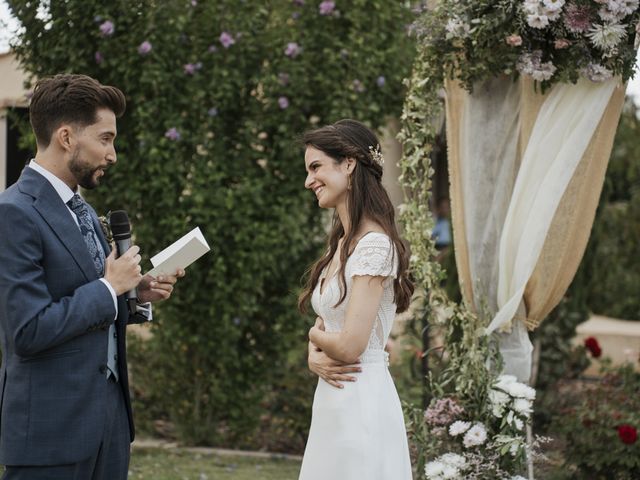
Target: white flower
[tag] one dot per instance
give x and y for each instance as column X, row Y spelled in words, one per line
column 628, row 6
column 611, row 13
column 519, row 424
column 450, row 472
column 454, row 460
column 596, row 73
column 538, row 21
column 607, row 35
column 433, row 470
column 518, row 477
column 497, row 397
column 446, row 467
column 552, row 15
column 498, row 401
column 553, row 5
column 457, row 28
column 513, row 449
column 458, row 428
column 544, row 72
column 476, row 435
column 517, row 389
column 522, row 406
column 532, row 7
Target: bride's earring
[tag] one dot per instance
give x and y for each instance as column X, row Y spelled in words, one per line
column 349, row 183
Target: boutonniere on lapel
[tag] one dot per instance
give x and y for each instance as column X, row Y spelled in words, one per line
column 106, row 227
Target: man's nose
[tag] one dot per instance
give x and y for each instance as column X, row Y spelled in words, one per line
column 112, row 157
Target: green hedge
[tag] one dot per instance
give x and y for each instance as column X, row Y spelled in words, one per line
column 614, row 250
column 216, row 101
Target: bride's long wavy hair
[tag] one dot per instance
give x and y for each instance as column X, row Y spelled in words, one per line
column 366, row 199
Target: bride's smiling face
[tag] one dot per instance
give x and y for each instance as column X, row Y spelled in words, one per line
column 327, row 178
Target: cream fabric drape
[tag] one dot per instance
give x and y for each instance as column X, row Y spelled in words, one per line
column 526, row 173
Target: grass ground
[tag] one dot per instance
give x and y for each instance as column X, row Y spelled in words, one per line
column 176, row 464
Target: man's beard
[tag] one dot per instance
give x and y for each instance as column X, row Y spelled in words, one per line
column 83, row 172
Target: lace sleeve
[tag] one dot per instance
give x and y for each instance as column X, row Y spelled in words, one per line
column 374, row 255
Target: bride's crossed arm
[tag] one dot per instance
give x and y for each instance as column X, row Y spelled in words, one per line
column 347, row 345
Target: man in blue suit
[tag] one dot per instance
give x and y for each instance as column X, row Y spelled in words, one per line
column 65, row 411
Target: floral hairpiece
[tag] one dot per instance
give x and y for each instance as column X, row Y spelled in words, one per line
column 376, row 154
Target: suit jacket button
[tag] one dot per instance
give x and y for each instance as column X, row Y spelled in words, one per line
column 103, row 369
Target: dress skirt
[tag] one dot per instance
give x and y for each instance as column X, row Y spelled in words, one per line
column 357, row 432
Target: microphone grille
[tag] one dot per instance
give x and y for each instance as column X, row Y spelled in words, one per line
column 119, row 221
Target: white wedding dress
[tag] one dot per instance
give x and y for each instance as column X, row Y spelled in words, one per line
column 358, row 432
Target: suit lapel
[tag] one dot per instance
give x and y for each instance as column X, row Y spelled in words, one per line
column 50, row 206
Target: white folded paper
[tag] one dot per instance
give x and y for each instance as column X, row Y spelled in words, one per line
column 180, row 254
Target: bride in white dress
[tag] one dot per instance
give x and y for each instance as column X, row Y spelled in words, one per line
column 357, row 427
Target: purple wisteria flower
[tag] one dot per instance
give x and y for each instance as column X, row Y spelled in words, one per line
column 283, row 79
column 191, row 68
column 194, row 3
column 283, row 102
column 292, row 50
column 295, row 15
column 327, row 7
column 358, row 86
column 107, row 28
column 298, row 3
column 145, row 47
column 212, row 112
column 98, row 57
column 381, row 81
column 213, row 49
column 226, row 39
column 172, row 134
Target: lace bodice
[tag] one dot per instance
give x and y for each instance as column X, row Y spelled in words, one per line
column 374, row 255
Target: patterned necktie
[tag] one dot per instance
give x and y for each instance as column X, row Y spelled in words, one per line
column 80, row 208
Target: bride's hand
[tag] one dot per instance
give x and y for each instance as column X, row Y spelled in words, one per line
column 331, row 371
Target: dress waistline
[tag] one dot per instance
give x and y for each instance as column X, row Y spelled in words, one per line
column 375, row 356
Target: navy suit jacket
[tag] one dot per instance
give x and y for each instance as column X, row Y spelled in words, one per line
column 54, row 319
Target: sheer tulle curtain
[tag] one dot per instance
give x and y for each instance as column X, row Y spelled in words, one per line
column 526, row 172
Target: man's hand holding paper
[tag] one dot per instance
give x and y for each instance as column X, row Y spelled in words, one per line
column 153, row 289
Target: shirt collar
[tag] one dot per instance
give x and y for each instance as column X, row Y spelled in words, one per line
column 62, row 188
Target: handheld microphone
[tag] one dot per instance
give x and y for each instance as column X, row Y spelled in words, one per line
column 121, row 230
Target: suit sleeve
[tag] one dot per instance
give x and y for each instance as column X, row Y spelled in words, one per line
column 33, row 320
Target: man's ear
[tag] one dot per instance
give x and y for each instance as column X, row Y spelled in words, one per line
column 64, row 136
